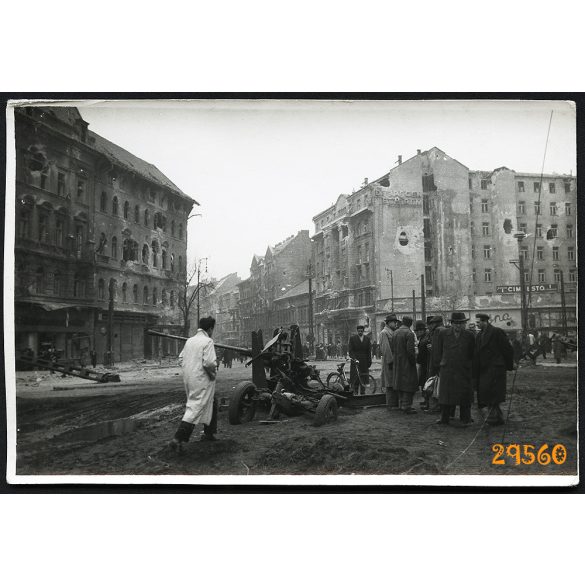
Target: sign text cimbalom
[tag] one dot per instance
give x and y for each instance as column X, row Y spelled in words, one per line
column 515, row 288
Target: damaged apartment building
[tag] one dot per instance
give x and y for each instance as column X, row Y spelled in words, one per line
column 431, row 236
column 100, row 242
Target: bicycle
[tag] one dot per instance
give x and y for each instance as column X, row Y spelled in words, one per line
column 357, row 386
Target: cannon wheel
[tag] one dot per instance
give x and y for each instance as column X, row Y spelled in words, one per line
column 242, row 404
column 326, row 410
column 332, row 378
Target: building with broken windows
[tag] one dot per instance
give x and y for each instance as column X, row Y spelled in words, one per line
column 431, row 236
column 100, row 242
column 283, row 267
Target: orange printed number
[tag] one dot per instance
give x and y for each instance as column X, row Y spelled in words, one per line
column 559, row 454
column 542, row 456
column 498, row 449
column 528, row 451
column 513, row 451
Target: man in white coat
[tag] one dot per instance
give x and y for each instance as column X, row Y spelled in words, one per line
column 198, row 361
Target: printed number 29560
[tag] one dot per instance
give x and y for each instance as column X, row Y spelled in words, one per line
column 528, row 454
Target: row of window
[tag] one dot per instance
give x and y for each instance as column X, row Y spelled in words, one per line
column 540, row 253
column 552, row 208
column 158, row 220
column 552, row 232
column 148, row 298
column 130, row 253
column 552, row 187
column 541, row 275
column 42, row 283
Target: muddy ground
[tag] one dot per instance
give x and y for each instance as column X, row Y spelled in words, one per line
column 125, row 431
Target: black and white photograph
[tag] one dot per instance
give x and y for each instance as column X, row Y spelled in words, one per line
column 292, row 291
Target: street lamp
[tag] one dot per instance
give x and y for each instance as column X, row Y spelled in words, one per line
column 310, row 276
column 563, row 302
column 520, row 237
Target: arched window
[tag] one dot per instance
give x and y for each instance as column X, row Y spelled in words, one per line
column 115, row 248
column 100, row 249
column 126, row 209
column 154, row 296
column 24, row 222
column 57, row 284
column 125, row 293
column 164, row 297
column 173, row 228
column 103, row 201
column 145, row 296
column 180, row 264
column 154, row 253
column 43, row 227
column 115, row 206
column 172, row 299
column 172, row 262
column 164, row 259
column 135, row 293
column 113, row 286
column 136, row 214
column 145, row 254
column 146, row 217
column 180, row 231
column 78, row 286
column 40, row 281
column 101, row 290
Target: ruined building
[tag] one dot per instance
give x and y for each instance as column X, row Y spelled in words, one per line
column 283, row 267
column 93, row 223
column 431, row 232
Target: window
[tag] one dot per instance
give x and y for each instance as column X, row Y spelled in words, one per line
column 473, row 251
column 569, row 231
column 557, row 275
column 164, row 297
column 555, row 253
column 126, row 209
column 521, row 208
column 487, row 275
column 571, row 253
column 470, row 184
column 484, row 184
column 359, row 254
column 61, row 184
column 146, row 217
column 428, row 274
column 136, row 214
column 572, row 275
column 524, row 252
column 78, row 286
column 485, row 228
column 541, row 275
column 125, row 293
column 43, row 228
column 540, row 253
column 145, row 254
column 427, row 227
column 484, row 206
column 115, row 248
column 24, row 222
column 521, row 186
column 57, row 284
column 474, row 275
column 522, row 227
column 425, row 203
column 164, row 259
column 135, row 294
column 145, row 295
column 103, row 201
column 537, row 207
column 101, row 290
column 428, row 183
column 567, row 187
column 428, row 252
column 553, row 208
column 59, row 233
column 567, row 209
column 154, row 296
column 180, row 231
column 367, row 252
column 172, row 299
column 536, row 186
column 172, row 262
column 487, row 252
column 154, row 253
column 173, row 228
column 39, row 281
column 44, row 178
column 180, row 264
column 552, row 188
column 539, row 230
column 552, row 232
column 80, row 188
column 115, row 206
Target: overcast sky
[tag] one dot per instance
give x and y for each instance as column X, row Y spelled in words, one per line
column 262, row 169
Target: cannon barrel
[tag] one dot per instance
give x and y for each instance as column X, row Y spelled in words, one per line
column 242, row 350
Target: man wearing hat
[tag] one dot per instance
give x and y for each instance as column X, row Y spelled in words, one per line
column 494, row 355
column 425, row 347
column 405, row 376
column 360, row 349
column 452, row 360
column 387, row 357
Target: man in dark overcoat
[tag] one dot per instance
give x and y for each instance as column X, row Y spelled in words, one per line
column 360, row 348
column 452, row 360
column 494, row 355
column 387, row 361
column 405, row 379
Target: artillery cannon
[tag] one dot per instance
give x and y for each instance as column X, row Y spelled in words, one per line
column 284, row 382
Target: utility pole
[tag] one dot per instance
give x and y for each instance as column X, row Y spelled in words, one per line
column 563, row 304
column 520, row 236
column 109, row 361
column 392, row 290
column 422, row 299
column 311, row 332
column 413, row 305
column 198, row 304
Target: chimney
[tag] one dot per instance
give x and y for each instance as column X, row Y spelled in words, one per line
column 399, row 159
column 365, row 181
column 418, row 151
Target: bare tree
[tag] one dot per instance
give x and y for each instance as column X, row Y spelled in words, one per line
column 189, row 291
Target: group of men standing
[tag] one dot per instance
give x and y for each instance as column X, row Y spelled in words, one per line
column 462, row 361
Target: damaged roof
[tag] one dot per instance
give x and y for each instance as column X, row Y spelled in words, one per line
column 300, row 289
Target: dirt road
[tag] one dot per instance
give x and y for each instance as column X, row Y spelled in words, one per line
column 126, row 431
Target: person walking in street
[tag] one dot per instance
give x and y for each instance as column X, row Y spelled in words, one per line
column 405, row 381
column 452, row 360
column 387, row 357
column 199, row 364
column 557, row 347
column 360, row 349
column 494, row 355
